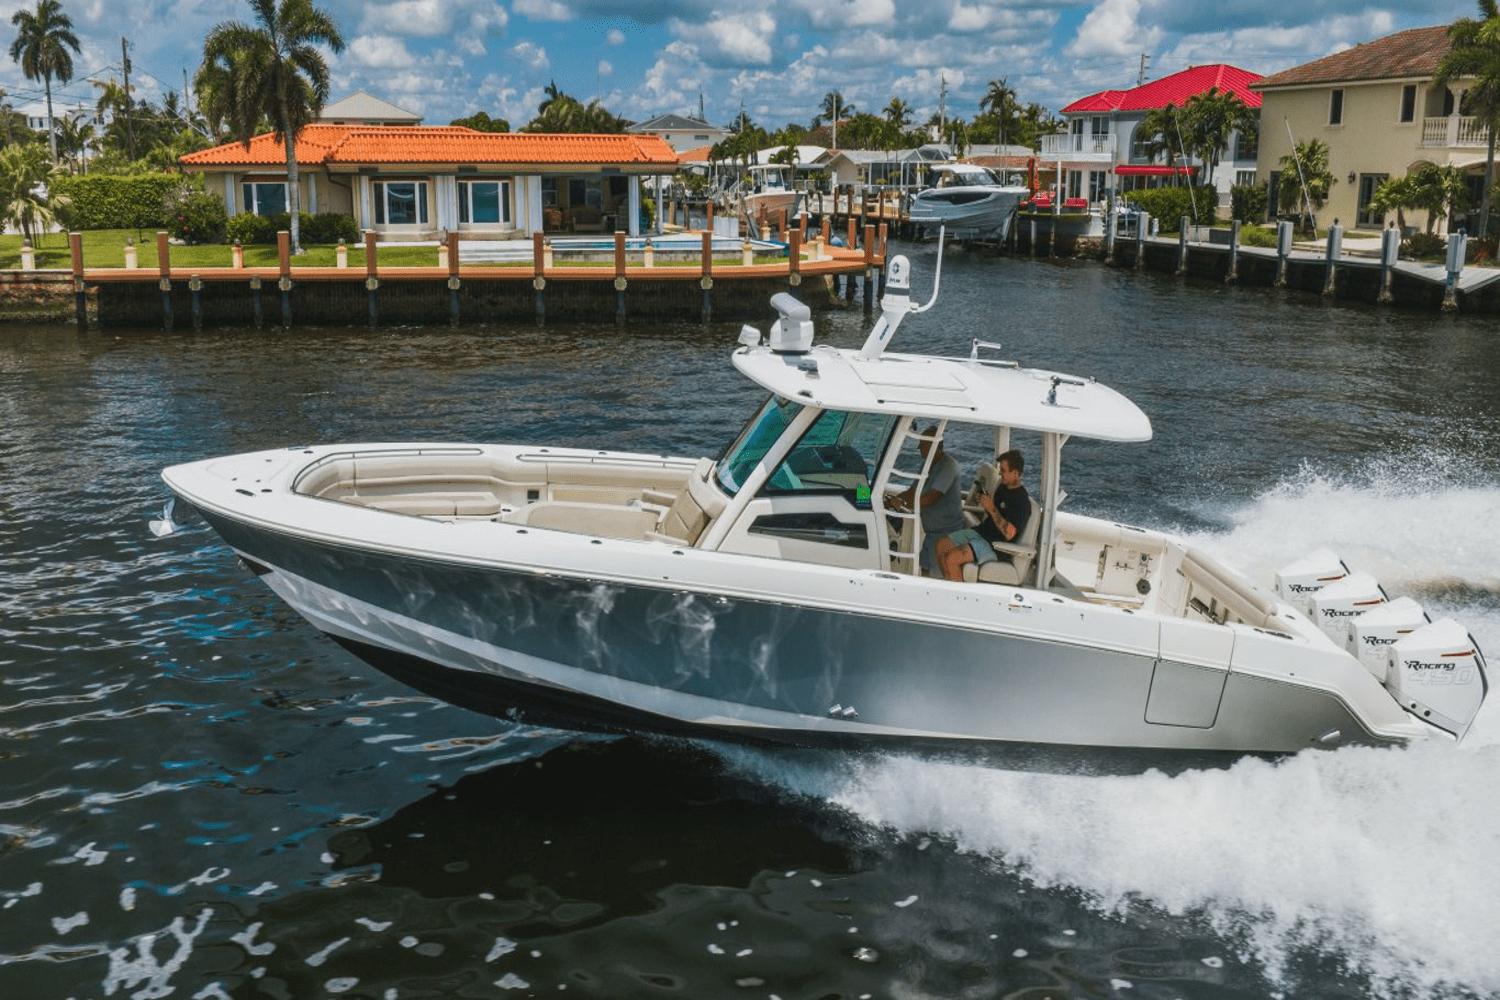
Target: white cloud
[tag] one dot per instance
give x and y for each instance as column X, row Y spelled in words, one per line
column 533, row 56
column 734, row 39
column 604, row 67
column 615, row 37
column 380, row 52
column 543, row 10
column 1114, row 28
column 430, row 18
column 848, row 13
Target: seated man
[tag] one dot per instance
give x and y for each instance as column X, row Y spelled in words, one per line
column 1005, row 515
column 942, row 501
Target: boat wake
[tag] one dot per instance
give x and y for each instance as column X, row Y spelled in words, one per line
column 1379, row 860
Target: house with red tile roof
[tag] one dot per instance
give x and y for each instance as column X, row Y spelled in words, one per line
column 1102, row 152
column 416, row 181
column 1378, row 108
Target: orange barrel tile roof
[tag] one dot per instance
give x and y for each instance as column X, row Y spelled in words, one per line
column 319, row 145
column 698, row 154
column 1173, row 89
column 1415, row 52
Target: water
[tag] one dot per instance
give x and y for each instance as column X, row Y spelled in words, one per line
column 200, row 797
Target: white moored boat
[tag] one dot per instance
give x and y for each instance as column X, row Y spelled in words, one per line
column 774, row 593
column 969, row 200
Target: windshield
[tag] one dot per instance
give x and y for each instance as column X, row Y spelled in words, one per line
column 759, row 434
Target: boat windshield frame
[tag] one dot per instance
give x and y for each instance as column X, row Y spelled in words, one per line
column 784, row 409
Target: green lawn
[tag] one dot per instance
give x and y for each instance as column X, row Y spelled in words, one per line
column 106, row 248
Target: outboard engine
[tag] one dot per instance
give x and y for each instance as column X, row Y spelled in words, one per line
column 1338, row 602
column 1437, row 674
column 1299, row 580
column 1373, row 633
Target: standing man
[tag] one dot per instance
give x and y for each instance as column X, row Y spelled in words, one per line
column 1006, row 512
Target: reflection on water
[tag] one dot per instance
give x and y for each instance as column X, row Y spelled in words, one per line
column 200, row 795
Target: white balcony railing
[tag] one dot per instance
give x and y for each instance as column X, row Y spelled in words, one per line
column 1087, row 144
column 1454, row 130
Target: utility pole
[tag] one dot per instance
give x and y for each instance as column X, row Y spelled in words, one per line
column 129, row 128
column 1140, row 76
column 942, row 107
column 187, row 98
column 701, row 116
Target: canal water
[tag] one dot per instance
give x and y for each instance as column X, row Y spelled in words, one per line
column 200, row 797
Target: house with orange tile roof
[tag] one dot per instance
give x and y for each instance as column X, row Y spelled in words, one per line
column 1103, row 149
column 1378, row 108
column 414, row 181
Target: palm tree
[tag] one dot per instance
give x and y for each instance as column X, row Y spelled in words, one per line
column 833, row 107
column 999, row 100
column 1475, row 52
column 1208, row 121
column 1160, row 131
column 43, row 38
column 75, row 133
column 898, row 113
column 272, row 70
column 25, row 198
column 1305, row 178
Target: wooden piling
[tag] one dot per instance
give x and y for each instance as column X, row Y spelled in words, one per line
column 794, row 258
column 706, row 276
column 1233, row 274
column 869, row 289
column 851, row 240
column 372, row 279
column 284, row 281
column 80, row 296
column 539, row 274
column 1182, row 245
column 1331, row 259
column 164, row 278
column 620, row 281
column 1390, row 252
column 195, row 286
column 454, row 282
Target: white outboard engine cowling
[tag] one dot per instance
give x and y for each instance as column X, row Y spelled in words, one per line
column 1297, row 581
column 1338, row 602
column 1437, row 674
column 1372, row 634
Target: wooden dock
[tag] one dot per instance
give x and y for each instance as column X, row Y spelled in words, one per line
column 861, row 261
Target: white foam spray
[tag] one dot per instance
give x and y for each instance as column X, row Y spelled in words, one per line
column 1380, row 858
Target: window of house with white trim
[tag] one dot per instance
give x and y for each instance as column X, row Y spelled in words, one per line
column 1336, row 106
column 263, row 198
column 401, row 203
column 483, row 202
column 1408, row 104
column 1244, row 178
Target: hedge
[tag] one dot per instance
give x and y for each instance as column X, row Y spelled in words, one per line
column 325, row 227
column 1247, row 202
column 1169, row 204
column 117, row 201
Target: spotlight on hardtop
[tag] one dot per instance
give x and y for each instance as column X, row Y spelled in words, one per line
column 793, row 332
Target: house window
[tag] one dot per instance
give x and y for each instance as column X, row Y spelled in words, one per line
column 1247, row 143
column 401, row 203
column 700, row 138
column 481, row 202
column 585, row 191
column 1408, row 103
column 1336, row 107
column 263, row 197
column 1244, row 178
column 549, row 191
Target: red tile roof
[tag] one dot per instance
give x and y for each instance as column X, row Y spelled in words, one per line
column 1415, row 52
column 1174, row 89
column 698, row 154
column 319, row 145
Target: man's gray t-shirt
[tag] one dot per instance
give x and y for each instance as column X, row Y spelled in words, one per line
column 946, row 514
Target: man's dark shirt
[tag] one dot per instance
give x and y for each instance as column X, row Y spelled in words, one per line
column 1015, row 506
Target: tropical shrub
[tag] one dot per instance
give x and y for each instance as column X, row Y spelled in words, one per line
column 1169, row 204
column 1247, row 202
column 246, row 229
column 1257, row 236
column 117, row 201
column 195, row 216
column 1424, row 245
column 328, row 227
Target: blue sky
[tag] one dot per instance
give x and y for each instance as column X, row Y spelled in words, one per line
column 446, row 58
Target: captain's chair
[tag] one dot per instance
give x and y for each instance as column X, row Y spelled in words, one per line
column 1021, row 553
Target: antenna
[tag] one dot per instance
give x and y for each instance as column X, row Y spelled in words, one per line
column 1140, row 76
column 701, row 116
column 942, row 108
column 896, row 304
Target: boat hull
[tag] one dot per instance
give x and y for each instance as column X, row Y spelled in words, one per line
column 986, row 212
column 629, row 655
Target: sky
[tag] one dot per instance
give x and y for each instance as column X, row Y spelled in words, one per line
column 447, row 58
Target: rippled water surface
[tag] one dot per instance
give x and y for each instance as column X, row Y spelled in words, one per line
column 201, row 797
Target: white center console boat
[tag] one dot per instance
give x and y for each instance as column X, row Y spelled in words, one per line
column 969, row 200
column 775, row 593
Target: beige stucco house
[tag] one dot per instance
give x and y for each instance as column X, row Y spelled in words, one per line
column 1377, row 108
